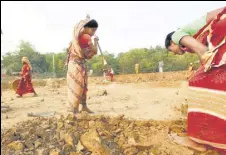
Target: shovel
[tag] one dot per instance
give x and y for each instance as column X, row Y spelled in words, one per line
column 105, row 62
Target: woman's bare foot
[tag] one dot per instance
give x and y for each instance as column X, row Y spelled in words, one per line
column 86, row 109
column 186, row 141
column 73, row 110
column 35, row 95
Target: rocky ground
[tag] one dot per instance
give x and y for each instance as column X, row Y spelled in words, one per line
column 132, row 116
column 97, row 135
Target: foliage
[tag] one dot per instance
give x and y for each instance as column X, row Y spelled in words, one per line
column 123, row 63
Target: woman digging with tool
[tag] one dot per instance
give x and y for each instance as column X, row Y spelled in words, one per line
column 207, row 100
column 81, row 48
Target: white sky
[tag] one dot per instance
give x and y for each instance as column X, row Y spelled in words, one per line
column 122, row 25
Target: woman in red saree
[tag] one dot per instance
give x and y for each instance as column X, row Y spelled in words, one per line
column 111, row 74
column 81, row 48
column 25, row 86
column 207, row 98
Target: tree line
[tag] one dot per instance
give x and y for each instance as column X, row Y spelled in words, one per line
column 123, row 63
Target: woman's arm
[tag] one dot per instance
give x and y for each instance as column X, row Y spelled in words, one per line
column 89, row 48
column 93, row 46
column 194, row 45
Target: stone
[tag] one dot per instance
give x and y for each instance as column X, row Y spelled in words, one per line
column 42, row 151
column 92, row 141
column 75, row 153
column 62, row 134
column 67, row 148
column 14, row 137
column 153, row 151
column 101, row 92
column 29, row 144
column 60, row 125
column 69, row 139
column 42, row 133
column 143, row 153
column 112, row 146
column 38, row 143
column 16, row 145
column 105, row 133
column 79, row 147
column 91, row 123
column 54, row 152
column 3, row 110
column 131, row 151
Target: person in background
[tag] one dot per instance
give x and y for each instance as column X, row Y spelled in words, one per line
column 90, row 72
column 25, row 86
column 111, row 73
column 137, row 68
column 105, row 71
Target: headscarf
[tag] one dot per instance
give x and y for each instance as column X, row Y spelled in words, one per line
column 74, row 45
column 26, row 60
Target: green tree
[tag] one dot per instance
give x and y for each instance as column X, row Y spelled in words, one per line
column 12, row 61
column 123, row 63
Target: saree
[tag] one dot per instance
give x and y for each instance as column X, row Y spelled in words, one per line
column 207, row 98
column 25, row 86
column 77, row 70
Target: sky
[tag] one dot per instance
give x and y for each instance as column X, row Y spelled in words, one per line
column 122, row 25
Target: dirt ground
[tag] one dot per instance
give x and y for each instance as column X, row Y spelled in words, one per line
column 141, row 101
column 151, row 109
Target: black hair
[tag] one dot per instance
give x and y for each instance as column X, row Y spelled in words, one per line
column 168, row 39
column 92, row 24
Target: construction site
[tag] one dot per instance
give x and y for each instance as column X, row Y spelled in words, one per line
column 132, row 115
column 158, row 88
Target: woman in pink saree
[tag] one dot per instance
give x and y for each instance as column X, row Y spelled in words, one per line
column 81, row 48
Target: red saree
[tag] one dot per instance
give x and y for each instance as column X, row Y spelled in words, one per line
column 25, row 86
column 207, row 101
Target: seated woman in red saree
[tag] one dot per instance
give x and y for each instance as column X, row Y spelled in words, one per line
column 25, row 86
column 207, row 98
